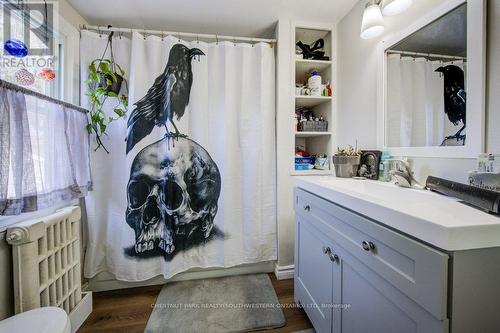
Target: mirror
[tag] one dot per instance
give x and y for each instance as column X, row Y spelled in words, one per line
column 427, row 84
column 426, row 91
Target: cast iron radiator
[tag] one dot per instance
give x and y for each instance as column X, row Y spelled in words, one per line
column 46, row 261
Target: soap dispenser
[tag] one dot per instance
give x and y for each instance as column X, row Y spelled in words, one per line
column 384, row 167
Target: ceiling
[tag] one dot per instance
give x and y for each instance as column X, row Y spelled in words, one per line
column 252, row 18
column 445, row 36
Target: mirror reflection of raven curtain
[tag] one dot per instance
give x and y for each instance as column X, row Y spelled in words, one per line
column 415, row 102
column 229, row 124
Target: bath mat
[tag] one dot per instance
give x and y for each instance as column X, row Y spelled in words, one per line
column 228, row 304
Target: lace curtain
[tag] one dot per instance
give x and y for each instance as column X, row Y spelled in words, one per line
column 44, row 151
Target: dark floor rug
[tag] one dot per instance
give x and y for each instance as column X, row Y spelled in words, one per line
column 229, row 304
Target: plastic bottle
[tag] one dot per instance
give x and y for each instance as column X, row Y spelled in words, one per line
column 314, row 84
column 384, row 166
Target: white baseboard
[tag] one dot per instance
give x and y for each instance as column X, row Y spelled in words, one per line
column 284, row 272
column 105, row 281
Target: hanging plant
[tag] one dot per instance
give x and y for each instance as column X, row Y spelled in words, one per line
column 105, row 82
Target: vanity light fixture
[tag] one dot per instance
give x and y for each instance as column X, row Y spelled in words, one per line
column 372, row 24
column 394, row 7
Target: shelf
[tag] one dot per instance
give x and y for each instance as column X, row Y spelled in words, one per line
column 311, row 134
column 310, row 101
column 305, row 65
column 315, row 143
column 313, row 172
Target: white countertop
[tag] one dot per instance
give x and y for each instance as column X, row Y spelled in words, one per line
column 433, row 218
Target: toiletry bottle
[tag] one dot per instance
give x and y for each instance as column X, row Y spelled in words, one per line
column 314, row 84
column 384, row 166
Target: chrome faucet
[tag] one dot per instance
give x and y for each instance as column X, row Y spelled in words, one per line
column 403, row 176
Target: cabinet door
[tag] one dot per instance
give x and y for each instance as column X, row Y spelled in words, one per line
column 372, row 304
column 415, row 269
column 313, row 275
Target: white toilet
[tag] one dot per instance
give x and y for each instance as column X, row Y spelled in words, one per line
column 41, row 320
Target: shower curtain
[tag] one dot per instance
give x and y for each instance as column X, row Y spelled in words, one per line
column 415, row 108
column 196, row 190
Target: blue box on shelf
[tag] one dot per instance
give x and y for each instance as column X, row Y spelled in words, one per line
column 304, row 160
column 303, row 166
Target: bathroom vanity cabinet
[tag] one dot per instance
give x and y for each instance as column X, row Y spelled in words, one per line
column 356, row 274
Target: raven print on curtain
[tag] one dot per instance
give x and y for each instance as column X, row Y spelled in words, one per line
column 174, row 184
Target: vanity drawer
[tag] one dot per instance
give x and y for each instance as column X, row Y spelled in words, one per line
column 417, row 270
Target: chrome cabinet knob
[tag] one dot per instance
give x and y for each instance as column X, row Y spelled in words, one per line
column 307, row 208
column 326, row 250
column 333, row 257
column 368, row 246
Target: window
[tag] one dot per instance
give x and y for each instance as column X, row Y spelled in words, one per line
column 45, row 74
column 65, row 86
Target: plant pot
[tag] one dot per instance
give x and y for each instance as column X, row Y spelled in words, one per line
column 346, row 166
column 115, row 86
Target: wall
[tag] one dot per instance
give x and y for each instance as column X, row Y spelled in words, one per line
column 284, row 182
column 70, row 14
column 69, row 25
column 357, row 91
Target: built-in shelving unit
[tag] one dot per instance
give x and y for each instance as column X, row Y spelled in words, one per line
column 312, row 172
column 313, row 142
column 303, row 65
column 311, row 101
column 311, row 134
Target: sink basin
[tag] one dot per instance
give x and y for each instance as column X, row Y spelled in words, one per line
column 439, row 220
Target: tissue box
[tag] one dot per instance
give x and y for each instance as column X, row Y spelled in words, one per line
column 304, row 160
column 303, row 166
column 488, row 163
column 484, row 180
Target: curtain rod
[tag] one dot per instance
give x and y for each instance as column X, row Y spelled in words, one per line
column 431, row 55
column 175, row 33
column 26, row 91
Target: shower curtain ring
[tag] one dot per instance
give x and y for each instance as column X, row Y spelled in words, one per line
column 162, row 36
column 197, row 39
column 99, row 31
column 178, row 37
column 216, row 39
column 144, row 34
column 234, row 41
column 120, row 34
column 252, row 42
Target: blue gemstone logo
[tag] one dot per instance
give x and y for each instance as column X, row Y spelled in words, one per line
column 16, row 48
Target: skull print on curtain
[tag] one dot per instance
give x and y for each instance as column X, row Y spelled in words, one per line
column 174, row 183
column 172, row 196
column 194, row 183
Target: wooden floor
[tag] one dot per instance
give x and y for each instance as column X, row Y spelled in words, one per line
column 128, row 310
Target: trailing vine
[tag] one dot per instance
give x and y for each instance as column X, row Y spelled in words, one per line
column 105, row 81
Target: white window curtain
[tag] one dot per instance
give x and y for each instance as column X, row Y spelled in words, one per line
column 44, row 151
column 415, row 107
column 231, row 114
